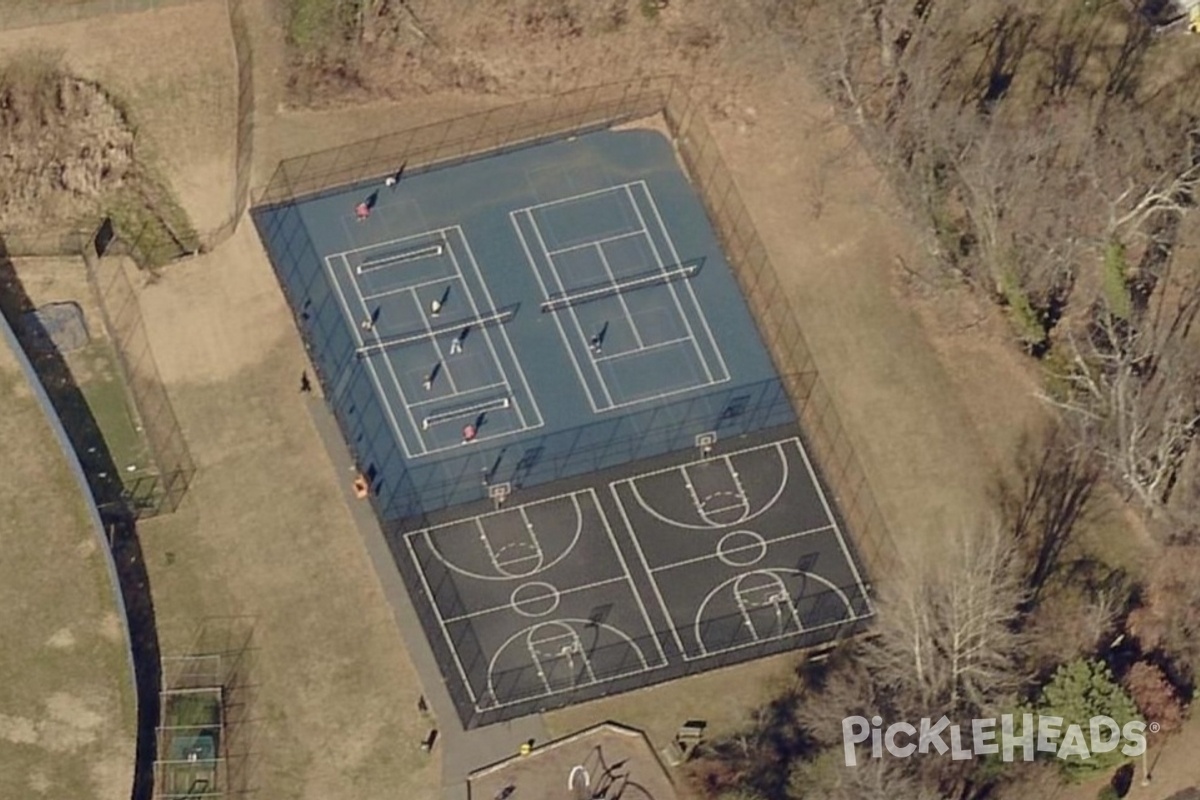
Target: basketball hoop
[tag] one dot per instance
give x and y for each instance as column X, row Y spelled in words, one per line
column 469, row 434
column 705, row 443
column 499, row 493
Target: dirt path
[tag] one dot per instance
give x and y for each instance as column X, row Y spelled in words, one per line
column 265, row 533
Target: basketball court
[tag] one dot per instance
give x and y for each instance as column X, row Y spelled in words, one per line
column 587, row 468
column 723, row 554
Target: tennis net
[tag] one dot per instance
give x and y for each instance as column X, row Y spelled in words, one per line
column 473, row 410
column 653, row 278
column 399, row 257
column 426, row 334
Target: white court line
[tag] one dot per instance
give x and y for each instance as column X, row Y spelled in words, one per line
column 620, row 296
column 387, row 360
column 739, row 492
column 407, row 287
column 595, row 243
column 567, row 622
column 546, row 292
column 634, row 352
column 562, row 592
column 537, row 664
column 841, row 536
column 850, row 618
column 478, row 519
column 462, row 672
column 345, row 303
column 688, row 286
column 612, row 538
column 637, row 546
column 439, row 232
column 740, row 599
column 576, row 647
column 558, row 323
column 571, row 199
column 649, row 509
column 697, row 559
column 487, row 294
column 574, row 314
column 670, row 288
column 443, row 398
column 739, row 488
column 432, row 340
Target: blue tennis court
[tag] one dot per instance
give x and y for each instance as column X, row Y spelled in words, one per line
column 439, row 360
column 620, row 295
column 521, row 318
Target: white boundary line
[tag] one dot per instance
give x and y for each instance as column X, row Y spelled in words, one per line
column 662, row 266
column 654, row 250
column 597, row 243
column 572, row 198
column 488, row 387
column 503, row 333
column 841, row 536
column 674, row 523
column 739, row 492
column 557, row 319
column 583, row 337
column 433, row 340
column 637, row 546
column 391, row 368
column 446, row 637
column 628, row 353
column 478, row 519
column 688, row 287
column 508, row 605
column 652, row 571
column 568, row 623
column 627, row 577
column 407, row 287
column 458, row 277
column 620, row 297
column 697, row 559
column 434, row 231
column 612, row 538
column 356, row 337
column 850, row 619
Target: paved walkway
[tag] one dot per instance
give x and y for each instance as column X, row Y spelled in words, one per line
column 462, row 751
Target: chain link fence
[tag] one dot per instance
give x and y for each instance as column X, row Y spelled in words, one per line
column 162, row 489
column 122, row 318
column 456, row 140
column 839, row 467
column 203, row 736
column 576, row 112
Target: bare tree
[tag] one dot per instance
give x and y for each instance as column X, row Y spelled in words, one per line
column 1137, row 399
column 946, row 634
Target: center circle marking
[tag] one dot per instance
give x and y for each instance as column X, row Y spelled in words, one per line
column 535, row 599
column 741, row 548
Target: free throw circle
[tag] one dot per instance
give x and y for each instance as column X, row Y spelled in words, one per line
column 741, row 548
column 535, row 599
